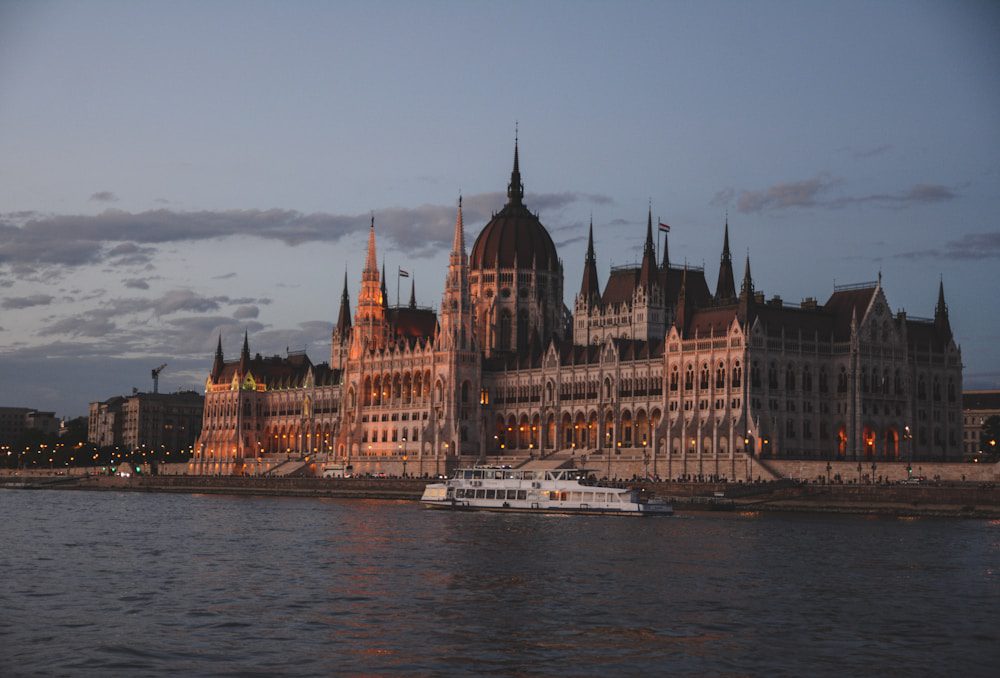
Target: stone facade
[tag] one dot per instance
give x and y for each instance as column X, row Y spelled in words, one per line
column 654, row 372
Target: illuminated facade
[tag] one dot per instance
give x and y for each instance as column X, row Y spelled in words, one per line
column 656, row 375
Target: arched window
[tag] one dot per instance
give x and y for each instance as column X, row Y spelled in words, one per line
column 951, row 390
column 807, row 379
column 772, row 376
column 755, row 375
column 897, row 383
column 674, row 378
column 689, row 378
column 522, row 330
column 703, row 382
column 737, row 374
column 720, row 376
column 790, row 378
column 936, row 389
column 842, row 380
column 503, row 340
column 864, row 380
column 921, row 388
column 465, row 391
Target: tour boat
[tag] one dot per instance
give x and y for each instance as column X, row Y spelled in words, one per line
column 495, row 488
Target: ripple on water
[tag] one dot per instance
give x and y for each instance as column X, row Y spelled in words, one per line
column 222, row 585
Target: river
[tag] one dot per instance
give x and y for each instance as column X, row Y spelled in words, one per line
column 108, row 583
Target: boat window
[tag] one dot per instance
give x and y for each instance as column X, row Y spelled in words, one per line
column 574, row 496
column 459, row 493
column 563, row 496
column 522, row 494
column 480, row 494
column 491, row 494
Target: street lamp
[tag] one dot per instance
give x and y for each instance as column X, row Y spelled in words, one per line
column 404, row 465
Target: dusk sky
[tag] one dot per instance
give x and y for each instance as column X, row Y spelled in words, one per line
column 170, row 170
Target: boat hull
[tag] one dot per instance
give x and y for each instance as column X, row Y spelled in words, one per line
column 510, row 507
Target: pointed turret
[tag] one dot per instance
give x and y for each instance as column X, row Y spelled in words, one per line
column 344, row 317
column 515, row 189
column 682, row 310
column 941, row 322
column 647, row 273
column 590, row 289
column 455, row 317
column 371, row 263
column 385, row 294
column 725, row 289
column 666, row 249
column 370, row 316
column 413, row 293
column 219, row 360
column 245, row 353
column 746, row 293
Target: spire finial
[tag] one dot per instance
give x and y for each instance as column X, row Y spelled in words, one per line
column 218, row 349
column 413, row 293
column 515, row 189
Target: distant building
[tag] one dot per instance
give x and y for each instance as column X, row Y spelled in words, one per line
column 170, row 420
column 977, row 407
column 16, row 421
column 656, row 372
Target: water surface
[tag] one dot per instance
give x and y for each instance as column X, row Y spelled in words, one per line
column 104, row 583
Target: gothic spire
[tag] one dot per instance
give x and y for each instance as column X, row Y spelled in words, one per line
column 746, row 290
column 458, row 241
column 385, row 294
column 941, row 313
column 648, row 271
column 725, row 289
column 413, row 293
column 219, row 360
column 344, row 317
column 666, row 251
column 371, row 262
column 515, row 189
column 245, row 353
column 590, row 289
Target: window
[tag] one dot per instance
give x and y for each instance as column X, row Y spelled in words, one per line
column 689, row 378
column 737, row 374
column 703, row 382
column 674, row 376
column 720, row 376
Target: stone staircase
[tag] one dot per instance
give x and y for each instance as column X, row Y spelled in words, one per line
column 287, row 469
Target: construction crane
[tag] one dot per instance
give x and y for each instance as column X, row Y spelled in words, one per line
column 156, row 378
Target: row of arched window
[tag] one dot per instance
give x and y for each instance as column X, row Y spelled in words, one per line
column 706, row 377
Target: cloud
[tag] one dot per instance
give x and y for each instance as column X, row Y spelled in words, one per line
column 723, row 198
column 136, row 283
column 12, row 303
column 104, row 196
column 872, row 152
column 127, row 238
column 224, row 276
column 971, row 246
column 811, row 193
column 785, row 195
column 244, row 312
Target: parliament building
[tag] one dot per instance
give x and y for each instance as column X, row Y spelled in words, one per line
column 653, row 374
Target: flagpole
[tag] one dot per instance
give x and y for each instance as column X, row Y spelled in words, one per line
column 397, row 287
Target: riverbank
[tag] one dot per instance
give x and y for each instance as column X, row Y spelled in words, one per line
column 956, row 500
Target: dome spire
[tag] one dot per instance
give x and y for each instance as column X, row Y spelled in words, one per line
column 515, row 189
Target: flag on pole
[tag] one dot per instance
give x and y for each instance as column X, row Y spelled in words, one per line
column 664, row 227
column 404, row 274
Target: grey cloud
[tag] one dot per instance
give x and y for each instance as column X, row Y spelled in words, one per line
column 872, row 152
column 12, row 303
column 570, row 241
column 73, row 240
column 244, row 312
column 785, row 195
column 224, row 276
column 136, row 283
column 723, row 198
column 104, row 196
column 83, row 325
column 809, row 193
column 971, row 246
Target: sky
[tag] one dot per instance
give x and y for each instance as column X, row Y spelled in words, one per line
column 170, row 171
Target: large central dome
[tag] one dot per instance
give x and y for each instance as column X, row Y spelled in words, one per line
column 514, row 237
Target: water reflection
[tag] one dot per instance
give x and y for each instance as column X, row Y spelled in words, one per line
column 99, row 583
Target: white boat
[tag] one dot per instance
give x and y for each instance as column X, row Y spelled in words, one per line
column 496, row 488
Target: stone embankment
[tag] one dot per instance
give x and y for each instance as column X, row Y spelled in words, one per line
column 973, row 500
